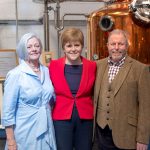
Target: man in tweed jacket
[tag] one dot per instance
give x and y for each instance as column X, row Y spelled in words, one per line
column 121, row 99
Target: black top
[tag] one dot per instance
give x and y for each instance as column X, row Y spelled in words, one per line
column 73, row 76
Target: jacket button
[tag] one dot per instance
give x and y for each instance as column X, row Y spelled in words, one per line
column 107, row 104
column 109, row 89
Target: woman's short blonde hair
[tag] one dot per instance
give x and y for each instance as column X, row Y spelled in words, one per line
column 72, row 35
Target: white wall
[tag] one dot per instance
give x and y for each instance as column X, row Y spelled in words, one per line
column 29, row 10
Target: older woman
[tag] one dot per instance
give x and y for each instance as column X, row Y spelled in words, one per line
column 27, row 93
column 73, row 79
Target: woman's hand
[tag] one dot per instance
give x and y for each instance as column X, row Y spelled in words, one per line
column 11, row 143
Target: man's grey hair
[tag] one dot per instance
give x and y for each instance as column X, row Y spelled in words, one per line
column 119, row 31
column 22, row 45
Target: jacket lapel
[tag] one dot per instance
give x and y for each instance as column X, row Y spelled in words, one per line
column 84, row 77
column 99, row 78
column 123, row 72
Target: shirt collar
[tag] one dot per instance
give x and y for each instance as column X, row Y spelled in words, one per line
column 119, row 63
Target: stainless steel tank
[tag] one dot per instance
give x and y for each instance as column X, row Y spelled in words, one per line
column 131, row 16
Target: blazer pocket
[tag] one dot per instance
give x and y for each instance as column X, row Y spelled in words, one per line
column 132, row 121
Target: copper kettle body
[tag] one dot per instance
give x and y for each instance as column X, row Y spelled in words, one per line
column 133, row 17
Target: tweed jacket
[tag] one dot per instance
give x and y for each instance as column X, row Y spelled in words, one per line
column 64, row 99
column 131, row 102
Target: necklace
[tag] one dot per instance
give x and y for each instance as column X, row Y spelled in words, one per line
column 34, row 68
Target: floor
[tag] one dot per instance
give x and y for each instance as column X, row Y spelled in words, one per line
column 2, row 144
column 2, row 139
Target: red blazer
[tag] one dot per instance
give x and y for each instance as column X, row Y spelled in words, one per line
column 64, row 99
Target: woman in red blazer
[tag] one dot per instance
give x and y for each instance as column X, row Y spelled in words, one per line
column 73, row 78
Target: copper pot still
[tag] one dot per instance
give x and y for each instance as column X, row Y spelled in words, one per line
column 131, row 16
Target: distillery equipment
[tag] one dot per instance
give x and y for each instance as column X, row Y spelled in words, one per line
column 131, row 16
column 57, row 19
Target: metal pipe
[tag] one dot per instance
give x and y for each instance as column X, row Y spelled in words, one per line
column 16, row 8
column 46, row 26
column 62, row 20
column 18, row 22
column 57, row 13
column 59, row 28
column 58, row 42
